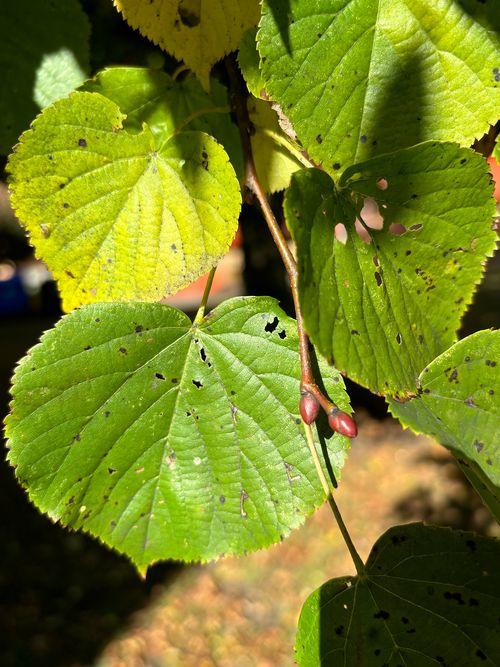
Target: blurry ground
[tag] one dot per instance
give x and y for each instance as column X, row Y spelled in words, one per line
column 243, row 612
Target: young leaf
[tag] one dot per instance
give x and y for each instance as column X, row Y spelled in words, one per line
column 166, row 439
column 199, row 33
column 117, row 215
column 362, row 78
column 376, row 306
column 43, row 57
column 457, row 403
column 168, row 106
column 413, row 606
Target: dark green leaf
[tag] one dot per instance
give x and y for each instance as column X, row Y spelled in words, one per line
column 430, row 596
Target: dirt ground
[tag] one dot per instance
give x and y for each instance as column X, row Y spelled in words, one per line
column 243, row 612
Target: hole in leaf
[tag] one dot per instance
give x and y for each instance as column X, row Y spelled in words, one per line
column 203, row 354
column 198, row 384
column 397, row 229
column 271, row 326
column 371, row 215
column 282, row 334
column 340, row 233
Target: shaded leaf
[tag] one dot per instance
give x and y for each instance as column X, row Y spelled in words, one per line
column 384, row 307
column 117, row 215
column 249, row 63
column 429, row 596
column 167, row 106
column 165, row 439
column 199, row 33
column 43, row 57
column 365, row 77
column 457, row 403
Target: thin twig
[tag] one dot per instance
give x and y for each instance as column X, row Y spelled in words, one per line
column 358, row 563
column 239, row 99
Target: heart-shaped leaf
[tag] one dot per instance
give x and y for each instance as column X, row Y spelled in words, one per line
column 365, row 77
column 167, row 439
column 376, row 305
column 457, row 403
column 43, row 57
column 199, row 33
column 430, row 596
column 119, row 215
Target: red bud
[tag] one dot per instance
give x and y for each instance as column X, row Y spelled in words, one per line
column 342, row 423
column 309, row 408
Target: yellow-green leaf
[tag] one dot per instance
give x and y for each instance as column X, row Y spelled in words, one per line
column 199, row 33
column 119, row 216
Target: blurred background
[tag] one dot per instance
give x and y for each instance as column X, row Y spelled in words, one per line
column 67, row 601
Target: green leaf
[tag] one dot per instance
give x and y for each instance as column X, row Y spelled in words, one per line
column 199, row 33
column 385, row 308
column 117, row 215
column 43, row 57
column 276, row 157
column 167, row 106
column 457, row 404
column 430, row 596
column 165, row 439
column 365, row 77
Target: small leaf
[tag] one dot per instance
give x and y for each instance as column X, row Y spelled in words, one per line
column 165, row 439
column 375, row 305
column 117, row 215
column 372, row 76
column 43, row 56
column 430, row 596
column 457, row 403
column 199, row 33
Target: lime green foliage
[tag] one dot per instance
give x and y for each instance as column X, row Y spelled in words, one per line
column 457, row 403
column 199, row 33
column 43, row 57
column 385, row 308
column 429, row 596
column 119, row 215
column 362, row 78
column 167, row 106
column 165, row 439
